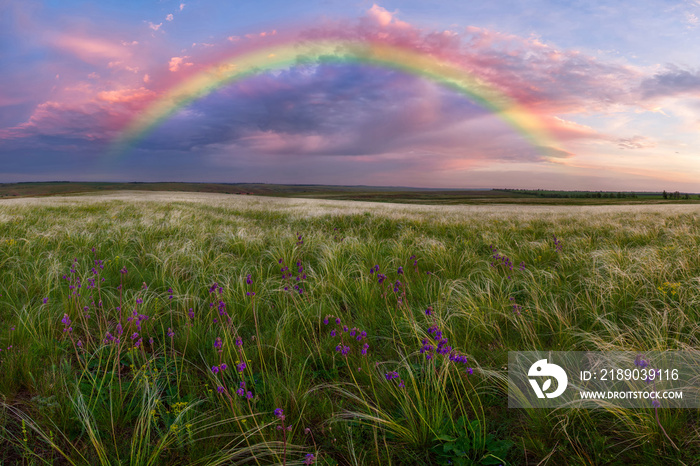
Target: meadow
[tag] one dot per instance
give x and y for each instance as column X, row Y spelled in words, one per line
column 190, row 328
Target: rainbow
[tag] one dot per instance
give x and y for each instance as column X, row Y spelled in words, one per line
column 282, row 56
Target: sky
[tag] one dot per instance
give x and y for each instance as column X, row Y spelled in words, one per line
column 585, row 95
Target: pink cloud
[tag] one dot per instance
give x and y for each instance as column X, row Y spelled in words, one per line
column 178, row 62
column 92, row 49
column 383, row 17
column 126, row 95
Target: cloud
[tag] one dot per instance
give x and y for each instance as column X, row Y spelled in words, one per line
column 671, row 82
column 126, row 95
column 636, row 142
column 170, row 17
column 155, row 27
column 91, row 49
column 178, row 62
column 383, row 17
column 182, row 6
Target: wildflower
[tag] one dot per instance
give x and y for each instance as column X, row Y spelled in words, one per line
column 391, row 375
column 401, row 384
column 223, row 366
column 249, row 395
column 241, row 367
column 325, row 321
column 364, row 349
column 249, row 280
column 310, row 459
column 220, row 389
column 337, row 320
column 640, row 362
column 215, row 369
column 279, row 412
column 240, row 392
column 170, row 332
column 66, row 323
column 239, row 341
column 429, row 311
column 46, row 300
column 191, row 314
column 333, row 332
column 218, row 344
column 656, row 403
column 400, row 271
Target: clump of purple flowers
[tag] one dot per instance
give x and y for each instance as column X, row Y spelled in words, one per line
column 558, row 246
column 437, row 344
column 516, row 307
column 353, row 332
column 503, row 261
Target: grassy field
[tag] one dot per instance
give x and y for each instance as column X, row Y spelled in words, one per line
column 190, row 328
column 353, row 193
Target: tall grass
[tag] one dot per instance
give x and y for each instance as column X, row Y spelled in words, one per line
column 207, row 270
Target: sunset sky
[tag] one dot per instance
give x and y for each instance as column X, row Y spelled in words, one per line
column 584, row 95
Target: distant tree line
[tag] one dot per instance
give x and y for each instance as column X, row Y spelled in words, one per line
column 572, row 194
column 676, row 195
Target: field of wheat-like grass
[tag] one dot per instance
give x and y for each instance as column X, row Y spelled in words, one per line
column 175, row 328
